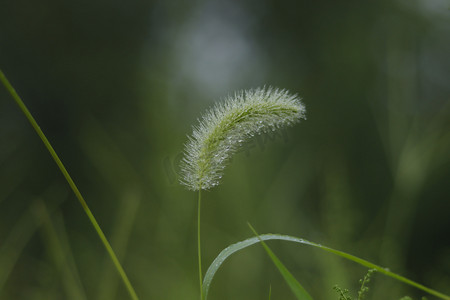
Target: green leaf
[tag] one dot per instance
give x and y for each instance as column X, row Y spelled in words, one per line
column 237, row 247
column 251, row 241
column 295, row 286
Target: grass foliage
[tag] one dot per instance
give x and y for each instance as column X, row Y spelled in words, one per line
column 220, row 133
column 296, row 288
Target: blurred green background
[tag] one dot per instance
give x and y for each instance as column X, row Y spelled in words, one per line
column 117, row 85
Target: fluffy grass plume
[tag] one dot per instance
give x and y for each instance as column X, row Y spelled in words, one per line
column 223, row 129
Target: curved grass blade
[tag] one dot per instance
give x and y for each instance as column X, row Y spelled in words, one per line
column 71, row 183
column 251, row 241
column 235, row 248
column 295, row 286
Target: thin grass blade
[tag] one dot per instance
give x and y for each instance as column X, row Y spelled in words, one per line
column 71, row 183
column 213, row 268
column 298, row 290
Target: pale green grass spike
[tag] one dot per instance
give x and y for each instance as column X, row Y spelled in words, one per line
column 225, row 127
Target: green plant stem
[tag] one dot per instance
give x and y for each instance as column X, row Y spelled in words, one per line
column 77, row 193
column 382, row 270
column 199, row 244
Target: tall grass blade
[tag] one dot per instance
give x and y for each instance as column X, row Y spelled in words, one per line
column 298, row 290
column 219, row 260
column 120, row 235
column 71, row 183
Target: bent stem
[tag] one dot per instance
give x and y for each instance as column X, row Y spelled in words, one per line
column 74, row 188
column 199, row 244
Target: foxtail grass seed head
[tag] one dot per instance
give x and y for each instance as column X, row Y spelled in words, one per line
column 224, row 128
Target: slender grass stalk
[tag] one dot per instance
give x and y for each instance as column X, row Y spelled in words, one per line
column 71, row 183
column 200, row 273
column 223, row 129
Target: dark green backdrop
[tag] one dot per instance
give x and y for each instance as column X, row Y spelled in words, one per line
column 117, row 85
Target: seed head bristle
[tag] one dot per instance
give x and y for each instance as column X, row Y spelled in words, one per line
column 223, row 129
